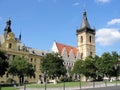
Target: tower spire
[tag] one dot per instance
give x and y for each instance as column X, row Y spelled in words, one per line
column 7, row 28
column 85, row 23
column 20, row 36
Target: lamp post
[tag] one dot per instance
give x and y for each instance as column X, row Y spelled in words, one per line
column 64, row 83
column 80, row 81
column 45, row 80
column 116, row 67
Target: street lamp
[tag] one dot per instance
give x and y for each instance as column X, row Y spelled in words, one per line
column 116, row 66
column 64, row 82
column 80, row 81
column 45, row 80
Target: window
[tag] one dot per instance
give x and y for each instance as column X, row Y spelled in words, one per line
column 81, row 39
column 81, row 55
column 34, row 60
column 34, row 76
column 42, row 53
column 31, row 59
column 10, row 45
column 90, row 53
column 34, row 67
column 90, row 39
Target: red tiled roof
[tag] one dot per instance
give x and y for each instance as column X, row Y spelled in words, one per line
column 68, row 48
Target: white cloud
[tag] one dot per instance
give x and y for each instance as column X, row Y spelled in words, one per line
column 114, row 21
column 107, row 36
column 103, row 1
column 76, row 4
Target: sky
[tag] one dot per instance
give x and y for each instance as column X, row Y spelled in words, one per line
column 41, row 22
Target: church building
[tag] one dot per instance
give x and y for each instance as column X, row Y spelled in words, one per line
column 85, row 45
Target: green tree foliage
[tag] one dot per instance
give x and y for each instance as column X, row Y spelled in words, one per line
column 85, row 67
column 90, row 68
column 78, row 67
column 3, row 63
column 98, row 67
column 21, row 67
column 106, row 66
column 116, row 58
column 52, row 64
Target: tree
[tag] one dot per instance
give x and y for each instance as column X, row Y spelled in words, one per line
column 90, row 68
column 99, row 75
column 52, row 64
column 3, row 63
column 78, row 67
column 106, row 66
column 115, row 58
column 21, row 67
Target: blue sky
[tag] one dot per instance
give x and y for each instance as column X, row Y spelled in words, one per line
column 42, row 21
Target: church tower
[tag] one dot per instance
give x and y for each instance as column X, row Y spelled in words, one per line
column 86, row 38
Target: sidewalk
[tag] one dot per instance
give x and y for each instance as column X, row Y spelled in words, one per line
column 89, row 85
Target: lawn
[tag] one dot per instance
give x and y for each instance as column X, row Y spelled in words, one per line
column 9, row 88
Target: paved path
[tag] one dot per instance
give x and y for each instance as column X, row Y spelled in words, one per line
column 90, row 86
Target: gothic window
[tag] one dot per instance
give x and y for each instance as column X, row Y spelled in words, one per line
column 90, row 53
column 90, row 39
column 10, row 45
column 81, row 55
column 81, row 39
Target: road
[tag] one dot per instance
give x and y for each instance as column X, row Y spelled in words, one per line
column 103, row 88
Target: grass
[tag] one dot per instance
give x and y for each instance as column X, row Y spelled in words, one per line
column 9, row 88
column 67, row 84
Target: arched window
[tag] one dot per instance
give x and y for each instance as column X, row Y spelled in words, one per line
column 81, row 39
column 10, row 45
column 90, row 39
column 90, row 53
column 81, row 55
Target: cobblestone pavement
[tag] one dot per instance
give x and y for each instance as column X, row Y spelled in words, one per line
column 90, row 86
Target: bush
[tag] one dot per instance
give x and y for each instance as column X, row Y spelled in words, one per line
column 66, row 79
